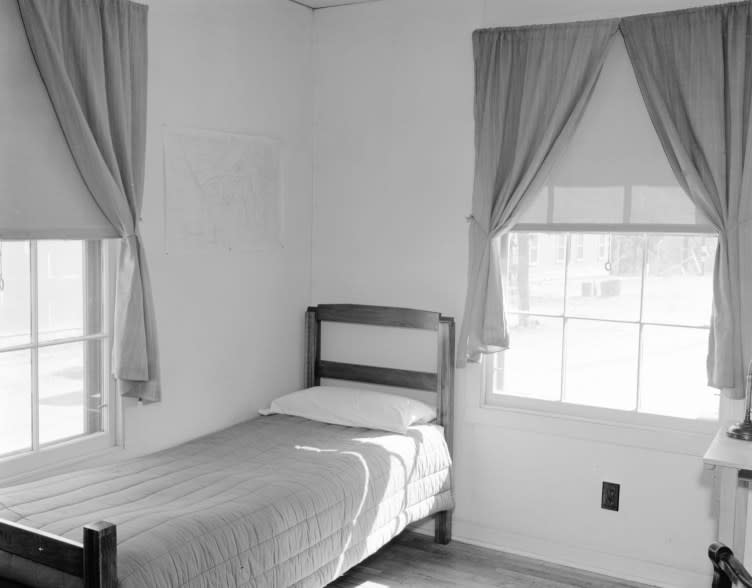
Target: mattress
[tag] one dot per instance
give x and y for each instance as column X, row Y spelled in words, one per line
column 277, row 501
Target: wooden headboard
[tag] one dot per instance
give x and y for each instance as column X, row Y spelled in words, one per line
column 441, row 381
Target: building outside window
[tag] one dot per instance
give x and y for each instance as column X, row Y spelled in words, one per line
column 604, row 244
column 561, row 247
column 533, row 249
column 579, row 247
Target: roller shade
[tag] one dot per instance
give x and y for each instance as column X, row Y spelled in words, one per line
column 614, row 174
column 42, row 195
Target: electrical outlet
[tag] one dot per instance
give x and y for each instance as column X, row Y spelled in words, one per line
column 610, row 496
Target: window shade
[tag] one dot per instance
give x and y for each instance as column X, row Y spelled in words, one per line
column 614, row 174
column 42, row 195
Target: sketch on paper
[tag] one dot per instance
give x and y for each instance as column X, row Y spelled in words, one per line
column 222, row 190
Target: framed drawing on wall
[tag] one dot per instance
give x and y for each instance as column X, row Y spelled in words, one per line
column 223, row 191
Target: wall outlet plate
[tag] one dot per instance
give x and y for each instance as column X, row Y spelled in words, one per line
column 610, row 496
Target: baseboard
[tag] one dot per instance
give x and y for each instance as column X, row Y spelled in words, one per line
column 626, row 568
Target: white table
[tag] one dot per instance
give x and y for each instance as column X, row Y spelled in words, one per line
column 732, row 460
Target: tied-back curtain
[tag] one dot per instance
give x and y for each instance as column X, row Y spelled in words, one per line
column 694, row 68
column 92, row 57
column 532, row 85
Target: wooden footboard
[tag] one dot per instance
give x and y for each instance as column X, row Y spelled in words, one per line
column 94, row 560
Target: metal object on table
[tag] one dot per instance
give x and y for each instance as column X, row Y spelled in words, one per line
column 743, row 430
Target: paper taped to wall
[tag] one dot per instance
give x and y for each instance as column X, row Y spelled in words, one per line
column 222, row 191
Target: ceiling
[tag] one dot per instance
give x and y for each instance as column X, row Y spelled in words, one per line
column 328, row 3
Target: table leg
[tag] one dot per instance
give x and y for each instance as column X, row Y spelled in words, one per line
column 732, row 515
column 740, row 527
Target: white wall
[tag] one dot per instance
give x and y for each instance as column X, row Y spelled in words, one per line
column 393, row 168
column 230, row 323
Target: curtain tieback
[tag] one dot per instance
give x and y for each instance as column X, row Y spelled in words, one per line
column 136, row 234
column 471, row 220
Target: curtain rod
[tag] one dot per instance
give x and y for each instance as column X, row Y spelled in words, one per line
column 618, row 19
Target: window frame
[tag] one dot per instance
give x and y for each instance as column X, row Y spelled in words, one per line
column 491, row 399
column 63, row 451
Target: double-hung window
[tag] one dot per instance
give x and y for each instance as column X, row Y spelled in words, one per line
column 54, row 343
column 614, row 311
column 55, row 284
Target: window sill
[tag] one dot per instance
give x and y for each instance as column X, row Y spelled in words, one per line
column 599, row 425
column 59, row 458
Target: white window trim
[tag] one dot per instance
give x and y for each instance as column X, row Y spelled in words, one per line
column 18, row 466
column 587, row 423
column 581, row 411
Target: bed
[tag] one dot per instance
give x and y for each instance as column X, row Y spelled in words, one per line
column 274, row 501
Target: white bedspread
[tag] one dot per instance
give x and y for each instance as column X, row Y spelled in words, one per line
column 274, row 502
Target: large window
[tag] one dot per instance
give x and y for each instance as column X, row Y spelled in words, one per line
column 614, row 313
column 53, row 343
column 623, row 323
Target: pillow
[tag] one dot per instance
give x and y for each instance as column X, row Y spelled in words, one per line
column 354, row 407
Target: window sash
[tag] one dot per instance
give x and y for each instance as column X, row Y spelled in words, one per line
column 495, row 367
column 97, row 387
column 680, row 229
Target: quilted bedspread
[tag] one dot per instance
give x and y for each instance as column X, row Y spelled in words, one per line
column 277, row 501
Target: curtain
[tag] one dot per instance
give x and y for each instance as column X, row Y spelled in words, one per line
column 694, row 68
column 43, row 195
column 92, row 57
column 532, row 85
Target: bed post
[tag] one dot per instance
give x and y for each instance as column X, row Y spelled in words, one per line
column 313, row 348
column 100, row 555
column 445, row 404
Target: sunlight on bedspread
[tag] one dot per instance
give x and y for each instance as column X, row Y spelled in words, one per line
column 278, row 501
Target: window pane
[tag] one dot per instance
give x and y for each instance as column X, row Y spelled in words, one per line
column 673, row 378
column 679, row 279
column 15, row 401
column 532, row 365
column 607, row 289
column 62, row 402
column 601, row 364
column 61, row 298
column 535, row 275
column 15, row 293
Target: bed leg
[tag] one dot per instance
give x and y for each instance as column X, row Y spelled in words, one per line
column 100, row 555
column 443, row 527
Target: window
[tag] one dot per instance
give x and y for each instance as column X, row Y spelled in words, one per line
column 615, row 314
column 630, row 333
column 53, row 343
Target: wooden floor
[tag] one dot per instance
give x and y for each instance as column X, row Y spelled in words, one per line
column 416, row 561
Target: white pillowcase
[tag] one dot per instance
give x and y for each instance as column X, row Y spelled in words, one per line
column 354, row 407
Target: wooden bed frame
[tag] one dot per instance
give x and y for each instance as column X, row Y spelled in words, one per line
column 95, row 559
column 441, row 381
